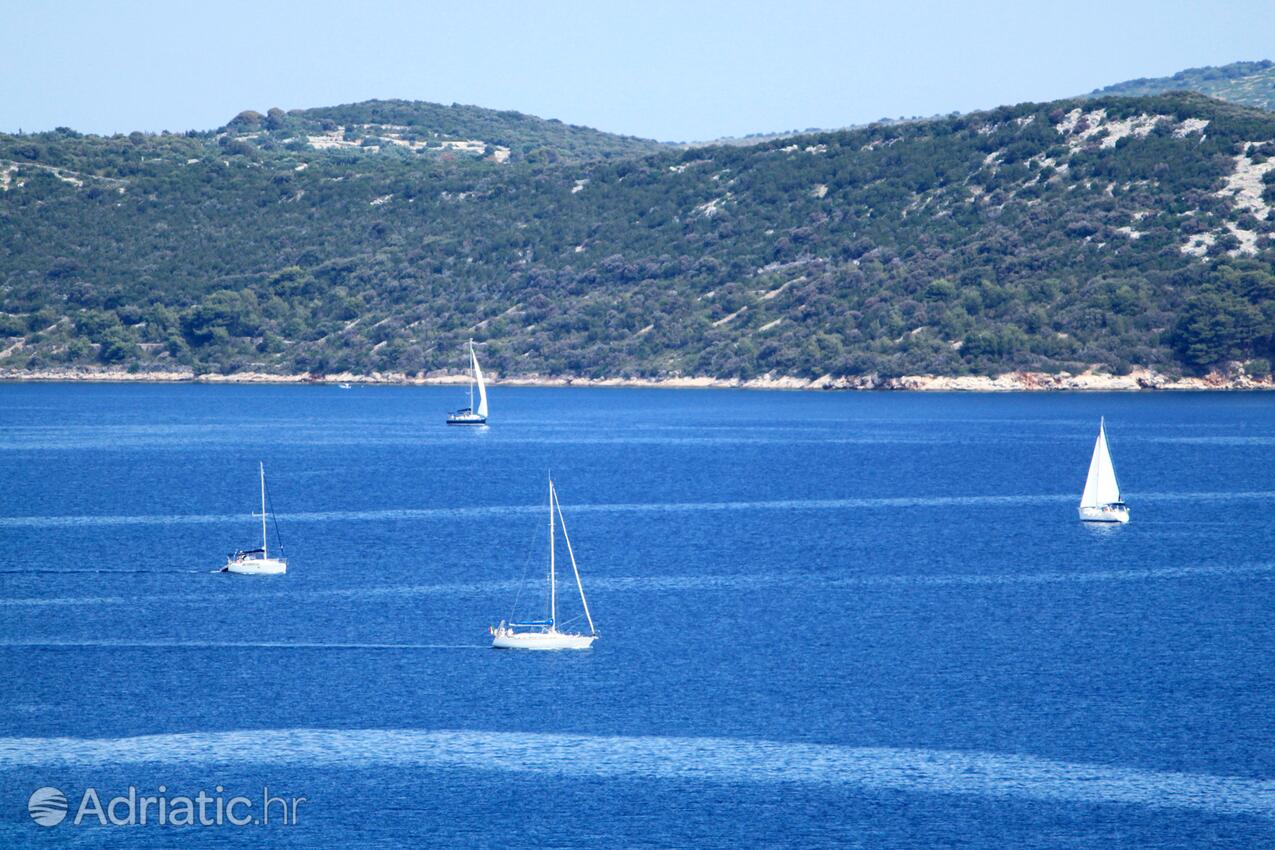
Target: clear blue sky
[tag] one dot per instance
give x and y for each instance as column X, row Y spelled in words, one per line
column 675, row 71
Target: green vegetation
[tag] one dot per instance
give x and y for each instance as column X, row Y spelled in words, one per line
column 1042, row 236
column 525, row 136
column 1245, row 83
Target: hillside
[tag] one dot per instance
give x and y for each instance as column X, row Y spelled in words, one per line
column 1114, row 231
column 1245, row 83
column 431, row 129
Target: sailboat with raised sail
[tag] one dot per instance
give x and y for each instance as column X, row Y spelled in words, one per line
column 472, row 415
column 544, row 634
column 1101, row 500
column 257, row 562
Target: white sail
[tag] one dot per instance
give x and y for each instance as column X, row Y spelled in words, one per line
column 482, row 385
column 1100, row 487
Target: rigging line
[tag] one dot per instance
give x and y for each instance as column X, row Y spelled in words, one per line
column 528, row 557
column 274, row 520
column 574, row 568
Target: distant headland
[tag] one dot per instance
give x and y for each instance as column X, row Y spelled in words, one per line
column 1096, row 242
column 1093, row 381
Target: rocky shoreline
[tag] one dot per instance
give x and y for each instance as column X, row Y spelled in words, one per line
column 1138, row 379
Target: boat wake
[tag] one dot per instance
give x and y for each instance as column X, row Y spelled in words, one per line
column 726, row 582
column 96, row 571
column 188, row 644
column 72, row 600
column 730, row 760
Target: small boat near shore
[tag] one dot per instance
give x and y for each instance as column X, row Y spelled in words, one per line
column 257, row 562
column 544, row 634
column 471, row 415
column 1101, row 500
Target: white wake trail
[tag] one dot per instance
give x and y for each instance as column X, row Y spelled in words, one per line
column 731, row 760
column 670, row 583
column 87, row 520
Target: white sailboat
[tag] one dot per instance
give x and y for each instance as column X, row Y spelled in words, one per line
column 544, row 634
column 472, row 415
column 1101, row 500
column 257, row 562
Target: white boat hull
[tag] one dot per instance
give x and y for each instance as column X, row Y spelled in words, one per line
column 506, row 639
column 1105, row 513
column 256, row 566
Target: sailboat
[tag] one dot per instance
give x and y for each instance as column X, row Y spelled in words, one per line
column 257, row 562
column 471, row 415
column 1101, row 500
column 544, row 634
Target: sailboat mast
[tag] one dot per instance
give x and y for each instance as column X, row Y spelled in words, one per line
column 472, row 371
column 553, row 590
column 262, row 467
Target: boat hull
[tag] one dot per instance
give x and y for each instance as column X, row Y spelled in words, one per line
column 541, row 640
column 256, row 567
column 467, row 420
column 1114, row 514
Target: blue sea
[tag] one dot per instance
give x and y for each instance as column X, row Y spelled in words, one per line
column 826, row 619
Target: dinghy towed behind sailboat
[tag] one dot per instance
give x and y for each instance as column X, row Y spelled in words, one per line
column 471, row 415
column 257, row 561
column 1101, row 500
column 544, row 634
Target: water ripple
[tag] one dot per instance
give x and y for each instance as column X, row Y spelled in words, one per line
column 652, row 507
column 203, row 644
column 730, row 760
column 669, row 583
